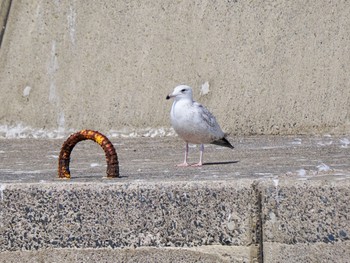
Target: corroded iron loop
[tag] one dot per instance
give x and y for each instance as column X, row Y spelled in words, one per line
column 68, row 145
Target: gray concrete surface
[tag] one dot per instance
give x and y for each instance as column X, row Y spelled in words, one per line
column 271, row 199
column 208, row 254
column 4, row 13
column 273, row 67
column 310, row 252
column 148, row 159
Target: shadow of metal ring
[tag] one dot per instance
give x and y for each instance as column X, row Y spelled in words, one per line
column 68, row 145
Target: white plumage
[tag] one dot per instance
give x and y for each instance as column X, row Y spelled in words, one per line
column 193, row 122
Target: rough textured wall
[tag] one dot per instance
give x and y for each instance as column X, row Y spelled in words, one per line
column 272, row 66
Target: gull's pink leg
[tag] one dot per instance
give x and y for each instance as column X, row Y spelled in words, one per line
column 185, row 164
column 200, row 157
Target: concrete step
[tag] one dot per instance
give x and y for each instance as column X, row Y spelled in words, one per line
column 272, row 199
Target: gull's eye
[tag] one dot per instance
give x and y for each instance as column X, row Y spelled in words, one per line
column 183, row 90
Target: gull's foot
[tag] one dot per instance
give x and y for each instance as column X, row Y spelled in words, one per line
column 182, row 165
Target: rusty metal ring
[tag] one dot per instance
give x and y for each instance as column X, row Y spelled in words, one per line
column 68, row 145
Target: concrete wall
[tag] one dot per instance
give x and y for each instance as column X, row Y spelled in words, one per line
column 272, row 66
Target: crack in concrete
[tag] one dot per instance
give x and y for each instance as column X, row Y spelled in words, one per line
column 259, row 224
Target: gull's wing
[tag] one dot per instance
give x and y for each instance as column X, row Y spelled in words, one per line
column 206, row 115
column 213, row 127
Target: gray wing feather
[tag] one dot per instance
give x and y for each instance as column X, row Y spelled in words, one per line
column 206, row 115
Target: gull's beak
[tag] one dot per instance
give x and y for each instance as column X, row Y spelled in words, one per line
column 169, row 96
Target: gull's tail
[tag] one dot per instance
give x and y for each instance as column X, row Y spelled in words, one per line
column 223, row 142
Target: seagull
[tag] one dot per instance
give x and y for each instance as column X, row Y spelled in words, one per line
column 194, row 123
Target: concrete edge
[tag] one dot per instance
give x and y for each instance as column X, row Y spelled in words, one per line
column 215, row 253
column 309, row 252
column 5, row 7
column 268, row 251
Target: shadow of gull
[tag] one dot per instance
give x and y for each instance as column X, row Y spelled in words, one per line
column 220, row 163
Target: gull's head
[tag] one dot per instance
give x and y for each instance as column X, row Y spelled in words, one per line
column 181, row 92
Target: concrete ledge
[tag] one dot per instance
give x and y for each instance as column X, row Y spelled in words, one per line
column 97, row 215
column 145, row 254
column 181, row 221
column 309, row 252
column 305, row 211
column 268, row 201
